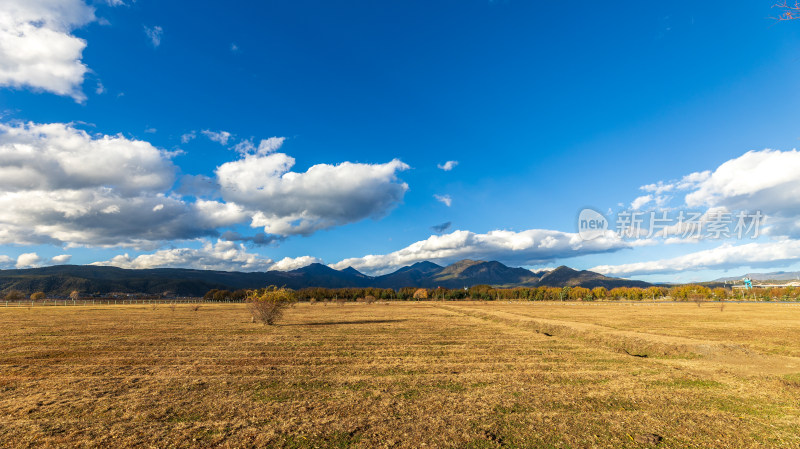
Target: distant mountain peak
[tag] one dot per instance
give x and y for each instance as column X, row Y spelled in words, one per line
column 563, row 268
column 424, row 266
column 425, row 263
column 353, row 271
column 457, row 268
column 315, row 267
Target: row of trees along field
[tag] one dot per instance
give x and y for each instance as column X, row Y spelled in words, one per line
column 488, row 293
column 16, row 295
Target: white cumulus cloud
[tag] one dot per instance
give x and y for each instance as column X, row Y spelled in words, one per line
column 444, row 199
column 221, row 137
column 60, row 259
column 285, row 202
column 293, row 263
column 154, row 34
column 37, row 48
column 58, row 156
column 765, row 181
column 28, row 260
column 188, row 137
column 270, row 145
column 266, row 146
column 447, row 166
column 641, row 201
column 60, row 185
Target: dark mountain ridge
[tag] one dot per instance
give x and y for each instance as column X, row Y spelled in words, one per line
column 102, row 280
column 564, row 276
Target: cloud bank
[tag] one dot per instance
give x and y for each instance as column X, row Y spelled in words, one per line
column 764, row 180
column 725, row 256
column 60, row 185
column 534, row 246
column 63, row 186
column 220, row 256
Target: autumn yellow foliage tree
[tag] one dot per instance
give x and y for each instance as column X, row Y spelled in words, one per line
column 268, row 304
column 599, row 293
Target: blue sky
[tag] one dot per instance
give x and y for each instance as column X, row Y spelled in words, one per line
column 547, row 109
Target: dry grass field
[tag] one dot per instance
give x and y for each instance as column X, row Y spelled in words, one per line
column 419, row 374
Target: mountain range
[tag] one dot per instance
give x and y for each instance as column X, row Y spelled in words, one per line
column 102, row 280
column 771, row 276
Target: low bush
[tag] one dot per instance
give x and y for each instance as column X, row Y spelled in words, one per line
column 268, row 304
column 14, row 295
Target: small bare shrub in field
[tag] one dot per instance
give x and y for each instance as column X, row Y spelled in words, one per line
column 75, row 295
column 698, row 299
column 194, row 307
column 38, row 296
column 268, row 304
column 369, row 299
column 172, row 307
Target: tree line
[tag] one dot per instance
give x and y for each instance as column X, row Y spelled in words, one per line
column 489, row 293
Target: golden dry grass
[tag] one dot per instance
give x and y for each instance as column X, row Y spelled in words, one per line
column 401, row 375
